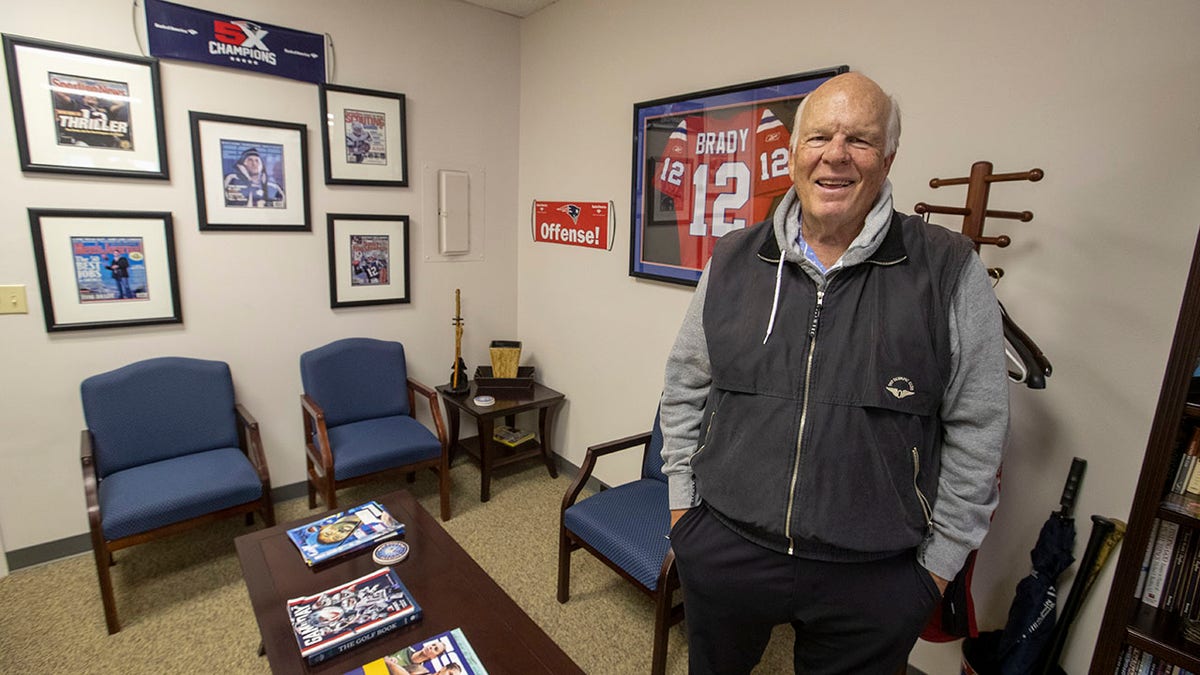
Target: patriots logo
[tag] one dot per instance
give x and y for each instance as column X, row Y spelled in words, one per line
column 571, row 210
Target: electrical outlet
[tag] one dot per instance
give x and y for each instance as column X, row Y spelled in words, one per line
column 12, row 300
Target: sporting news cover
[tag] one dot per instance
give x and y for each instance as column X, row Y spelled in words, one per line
column 447, row 653
column 109, row 269
column 342, row 617
column 355, row 528
column 91, row 113
column 369, row 259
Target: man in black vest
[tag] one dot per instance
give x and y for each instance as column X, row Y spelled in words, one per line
column 834, row 412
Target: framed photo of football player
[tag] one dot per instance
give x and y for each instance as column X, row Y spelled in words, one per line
column 105, row 269
column 368, row 260
column 250, row 174
column 708, row 163
column 363, row 137
column 85, row 111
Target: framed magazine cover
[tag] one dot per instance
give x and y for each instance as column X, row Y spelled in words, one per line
column 85, row 111
column 364, row 137
column 105, row 269
column 368, row 260
column 251, row 174
column 707, row 163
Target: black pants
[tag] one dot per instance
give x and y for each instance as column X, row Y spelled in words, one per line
column 848, row 617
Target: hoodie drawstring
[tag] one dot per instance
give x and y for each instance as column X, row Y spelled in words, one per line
column 775, row 302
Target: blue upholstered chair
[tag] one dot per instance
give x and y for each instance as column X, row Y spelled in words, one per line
column 358, row 407
column 626, row 527
column 166, row 449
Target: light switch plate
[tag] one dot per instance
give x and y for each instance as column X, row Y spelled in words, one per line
column 12, row 300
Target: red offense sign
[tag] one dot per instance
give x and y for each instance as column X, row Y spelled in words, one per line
column 586, row 224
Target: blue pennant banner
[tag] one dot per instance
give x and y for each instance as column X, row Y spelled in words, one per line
column 179, row 32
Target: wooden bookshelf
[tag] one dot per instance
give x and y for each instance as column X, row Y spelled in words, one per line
column 1127, row 621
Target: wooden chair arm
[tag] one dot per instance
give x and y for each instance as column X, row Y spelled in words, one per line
column 87, row 462
column 589, row 462
column 314, row 425
column 435, row 411
column 251, row 441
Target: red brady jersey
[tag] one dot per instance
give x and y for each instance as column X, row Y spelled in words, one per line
column 723, row 174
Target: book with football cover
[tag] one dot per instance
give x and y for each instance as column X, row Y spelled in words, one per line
column 351, row 530
column 343, row 617
column 447, row 652
column 511, row 436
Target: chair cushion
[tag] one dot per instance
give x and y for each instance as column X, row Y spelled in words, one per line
column 144, row 497
column 652, row 461
column 356, row 379
column 367, row 446
column 628, row 524
column 157, row 409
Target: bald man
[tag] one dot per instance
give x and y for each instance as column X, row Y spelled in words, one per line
column 834, row 412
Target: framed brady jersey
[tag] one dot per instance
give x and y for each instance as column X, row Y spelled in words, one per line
column 707, row 163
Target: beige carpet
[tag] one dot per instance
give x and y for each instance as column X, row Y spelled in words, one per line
column 184, row 608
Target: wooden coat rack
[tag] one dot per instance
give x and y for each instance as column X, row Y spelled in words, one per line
column 976, row 211
column 1035, row 364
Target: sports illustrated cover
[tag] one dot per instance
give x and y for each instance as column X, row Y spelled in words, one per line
column 447, row 653
column 109, row 269
column 366, row 137
column 345, row 616
column 253, row 174
column 350, row 530
column 91, row 113
column 369, row 259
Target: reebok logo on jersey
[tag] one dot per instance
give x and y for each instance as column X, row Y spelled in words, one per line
column 901, row 387
column 571, row 210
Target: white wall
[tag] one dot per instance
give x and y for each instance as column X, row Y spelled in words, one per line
column 254, row 299
column 1101, row 95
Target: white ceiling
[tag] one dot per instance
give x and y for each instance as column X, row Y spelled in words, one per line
column 518, row 8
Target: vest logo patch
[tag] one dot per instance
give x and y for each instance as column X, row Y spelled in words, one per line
column 901, row 387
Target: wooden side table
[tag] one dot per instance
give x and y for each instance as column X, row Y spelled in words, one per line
column 489, row 453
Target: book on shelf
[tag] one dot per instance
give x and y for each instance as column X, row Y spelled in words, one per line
column 511, row 436
column 1185, row 470
column 1177, row 570
column 351, row 530
column 1145, row 570
column 1164, row 550
column 436, row 654
column 1193, row 450
column 341, row 618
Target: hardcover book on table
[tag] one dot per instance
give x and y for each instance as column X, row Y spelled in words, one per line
column 340, row 533
column 447, row 653
column 343, row 617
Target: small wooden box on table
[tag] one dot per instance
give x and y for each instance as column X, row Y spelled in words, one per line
column 451, row 588
column 509, row 402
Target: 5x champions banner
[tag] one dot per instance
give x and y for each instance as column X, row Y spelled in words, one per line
column 179, row 32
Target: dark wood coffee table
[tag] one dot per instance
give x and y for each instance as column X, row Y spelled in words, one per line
column 491, row 454
column 453, row 590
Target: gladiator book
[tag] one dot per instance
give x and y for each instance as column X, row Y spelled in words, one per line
column 343, row 617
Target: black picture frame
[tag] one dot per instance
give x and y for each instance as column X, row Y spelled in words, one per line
column 228, row 198
column 363, row 136
column 85, row 111
column 368, row 259
column 672, row 229
column 73, row 248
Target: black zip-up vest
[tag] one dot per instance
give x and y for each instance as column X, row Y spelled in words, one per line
column 825, row 441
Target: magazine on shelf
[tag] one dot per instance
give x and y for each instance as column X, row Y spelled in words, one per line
column 431, row 655
column 511, row 436
column 353, row 529
column 343, row 617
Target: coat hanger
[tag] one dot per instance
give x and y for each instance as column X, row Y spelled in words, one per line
column 1027, row 363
